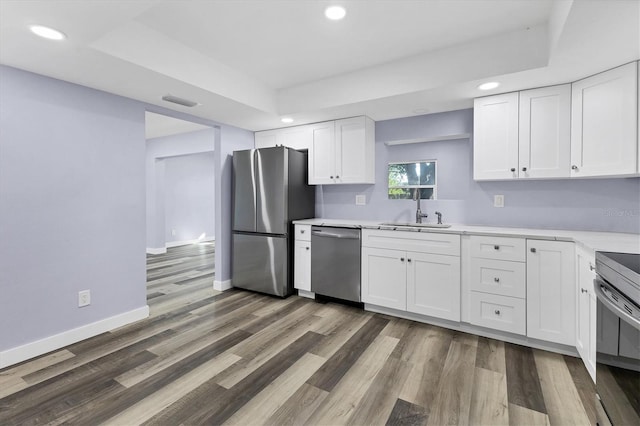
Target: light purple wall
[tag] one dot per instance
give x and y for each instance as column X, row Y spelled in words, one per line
column 159, row 151
column 72, row 210
column 590, row 204
column 189, row 196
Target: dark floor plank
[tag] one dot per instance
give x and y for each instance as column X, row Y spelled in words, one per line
column 490, row 355
column 523, row 383
column 406, row 414
column 336, row 367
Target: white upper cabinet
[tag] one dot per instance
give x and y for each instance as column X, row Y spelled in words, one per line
column 322, row 154
column 495, row 137
column 604, row 131
column 545, row 132
column 342, row 151
column 298, row 137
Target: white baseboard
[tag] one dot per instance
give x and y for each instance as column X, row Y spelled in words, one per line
column 160, row 250
column 186, row 242
column 39, row 347
column 222, row 285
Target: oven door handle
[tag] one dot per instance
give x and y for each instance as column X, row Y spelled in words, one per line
column 624, row 315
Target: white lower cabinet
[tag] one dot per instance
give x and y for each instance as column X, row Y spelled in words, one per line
column 551, row 291
column 586, row 309
column 302, row 262
column 384, row 278
column 425, row 282
column 433, row 285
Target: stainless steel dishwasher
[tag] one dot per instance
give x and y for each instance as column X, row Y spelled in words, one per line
column 335, row 262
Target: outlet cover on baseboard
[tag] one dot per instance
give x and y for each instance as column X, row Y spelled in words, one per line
column 498, row 201
column 361, row 200
column 84, row 298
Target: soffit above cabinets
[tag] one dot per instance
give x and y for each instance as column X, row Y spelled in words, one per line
column 249, row 63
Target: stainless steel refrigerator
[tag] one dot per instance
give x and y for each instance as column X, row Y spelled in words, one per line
column 269, row 191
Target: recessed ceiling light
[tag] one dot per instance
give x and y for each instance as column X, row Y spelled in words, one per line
column 47, row 32
column 488, row 86
column 286, row 120
column 335, row 13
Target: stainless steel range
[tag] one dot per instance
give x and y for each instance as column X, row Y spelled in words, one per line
column 617, row 286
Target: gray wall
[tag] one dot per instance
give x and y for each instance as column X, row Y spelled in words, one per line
column 72, row 210
column 189, row 196
column 160, row 153
column 589, row 204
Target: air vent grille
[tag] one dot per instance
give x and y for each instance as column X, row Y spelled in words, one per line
column 179, row 101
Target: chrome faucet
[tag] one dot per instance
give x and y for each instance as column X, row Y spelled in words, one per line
column 419, row 214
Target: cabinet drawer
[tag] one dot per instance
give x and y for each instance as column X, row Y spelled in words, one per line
column 303, row 232
column 422, row 242
column 498, row 312
column 498, row 277
column 499, row 248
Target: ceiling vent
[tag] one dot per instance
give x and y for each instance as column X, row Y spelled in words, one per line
column 179, row 101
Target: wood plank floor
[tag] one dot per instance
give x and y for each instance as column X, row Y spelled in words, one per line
column 242, row 358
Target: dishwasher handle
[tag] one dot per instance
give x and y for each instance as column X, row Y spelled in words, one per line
column 349, row 236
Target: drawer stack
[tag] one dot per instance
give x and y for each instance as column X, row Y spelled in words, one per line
column 498, row 283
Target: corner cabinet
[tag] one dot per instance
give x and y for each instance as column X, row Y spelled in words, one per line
column 413, row 272
column 297, row 137
column 586, row 305
column 604, row 139
column 551, row 291
column 342, row 152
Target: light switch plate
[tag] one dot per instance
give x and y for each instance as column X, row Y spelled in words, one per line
column 498, row 201
column 84, row 298
column 361, row 200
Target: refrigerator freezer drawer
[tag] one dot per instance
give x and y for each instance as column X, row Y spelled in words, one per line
column 260, row 264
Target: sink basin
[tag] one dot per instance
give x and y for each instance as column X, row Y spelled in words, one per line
column 417, row 225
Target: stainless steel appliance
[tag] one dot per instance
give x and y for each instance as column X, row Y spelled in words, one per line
column 269, row 191
column 617, row 287
column 335, row 262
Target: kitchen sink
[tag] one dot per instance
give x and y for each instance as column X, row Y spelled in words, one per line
column 417, row 225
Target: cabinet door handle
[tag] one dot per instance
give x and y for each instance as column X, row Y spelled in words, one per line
column 591, row 267
column 402, row 259
column 513, row 169
column 408, row 259
column 307, row 248
column 533, row 250
column 302, row 231
column 330, row 177
column 497, row 311
column 337, row 177
column 574, row 167
column 496, row 279
column 496, row 247
column 524, row 169
column 582, row 290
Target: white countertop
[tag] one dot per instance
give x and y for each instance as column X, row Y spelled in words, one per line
column 597, row 241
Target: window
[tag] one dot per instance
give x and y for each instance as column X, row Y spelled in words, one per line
column 406, row 178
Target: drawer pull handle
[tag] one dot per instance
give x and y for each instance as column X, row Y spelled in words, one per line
column 408, row 259
column 307, row 248
column 497, row 311
column 402, row 259
column 302, row 231
column 583, row 290
column 513, row 169
column 496, row 247
column 496, row 279
column 533, row 250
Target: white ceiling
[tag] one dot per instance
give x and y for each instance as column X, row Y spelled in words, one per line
column 250, row 62
column 158, row 125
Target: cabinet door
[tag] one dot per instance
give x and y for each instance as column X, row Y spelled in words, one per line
column 354, row 149
column 586, row 310
column 551, row 291
column 322, row 154
column 302, row 265
column 604, row 115
column 433, row 285
column 495, row 137
column 298, row 137
column 266, row 139
column 384, row 281
column 545, row 132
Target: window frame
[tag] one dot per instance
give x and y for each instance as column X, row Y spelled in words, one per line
column 434, row 187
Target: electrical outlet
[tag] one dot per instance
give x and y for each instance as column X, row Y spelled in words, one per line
column 173, row 232
column 498, row 201
column 361, row 200
column 84, row 298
